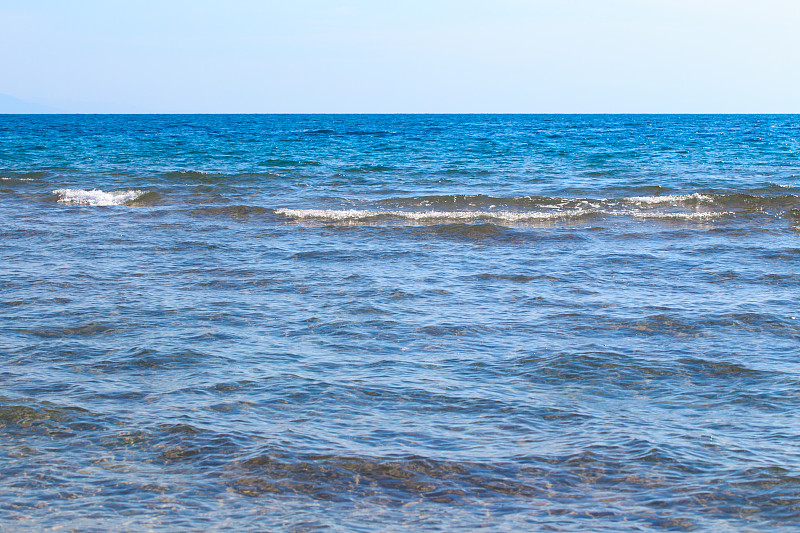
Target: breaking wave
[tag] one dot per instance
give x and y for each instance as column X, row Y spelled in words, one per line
column 531, row 209
column 670, row 199
column 97, row 197
column 700, row 215
column 364, row 215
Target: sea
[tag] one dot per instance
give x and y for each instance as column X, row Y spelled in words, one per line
column 377, row 323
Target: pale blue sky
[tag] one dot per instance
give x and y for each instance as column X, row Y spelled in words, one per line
column 534, row 56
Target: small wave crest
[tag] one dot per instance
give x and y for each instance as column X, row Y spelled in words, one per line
column 478, row 201
column 364, row 215
column 699, row 215
column 670, row 199
column 521, row 210
column 97, row 197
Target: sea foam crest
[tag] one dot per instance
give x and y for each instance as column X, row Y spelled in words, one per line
column 670, row 198
column 96, row 196
column 343, row 215
column 700, row 215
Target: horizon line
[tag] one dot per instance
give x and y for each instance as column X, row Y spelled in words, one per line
column 403, row 113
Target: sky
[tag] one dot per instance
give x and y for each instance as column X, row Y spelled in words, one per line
column 402, row 56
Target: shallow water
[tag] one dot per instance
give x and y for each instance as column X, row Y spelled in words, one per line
column 390, row 323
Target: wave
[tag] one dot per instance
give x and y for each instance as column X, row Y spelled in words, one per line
column 19, row 178
column 471, row 201
column 741, row 200
column 461, row 208
column 369, row 168
column 194, row 176
column 520, row 211
column 671, row 199
column 365, row 215
column 696, row 206
column 98, row 197
column 700, row 215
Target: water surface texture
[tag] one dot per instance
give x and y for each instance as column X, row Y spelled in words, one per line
column 399, row 323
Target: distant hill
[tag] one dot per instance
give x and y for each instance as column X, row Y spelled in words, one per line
column 9, row 104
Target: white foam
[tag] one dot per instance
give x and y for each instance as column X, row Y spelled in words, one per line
column 669, row 198
column 341, row 215
column 96, row 196
column 707, row 215
column 365, row 215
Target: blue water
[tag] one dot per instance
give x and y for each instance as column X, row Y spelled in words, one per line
column 399, row 323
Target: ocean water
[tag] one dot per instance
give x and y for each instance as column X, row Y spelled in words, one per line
column 399, row 323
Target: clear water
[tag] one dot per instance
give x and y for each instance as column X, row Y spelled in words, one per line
column 397, row 323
